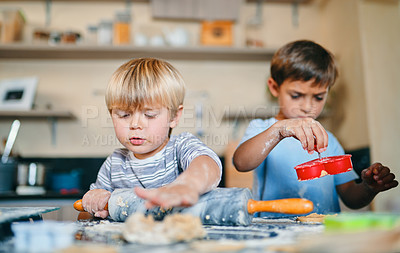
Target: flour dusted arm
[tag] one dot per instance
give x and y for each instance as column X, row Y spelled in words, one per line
column 309, row 132
column 97, row 197
column 202, row 172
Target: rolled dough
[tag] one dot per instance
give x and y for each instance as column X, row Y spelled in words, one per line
column 174, row 228
column 312, row 218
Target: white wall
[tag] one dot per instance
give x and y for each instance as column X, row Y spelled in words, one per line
column 78, row 85
column 380, row 36
column 340, row 32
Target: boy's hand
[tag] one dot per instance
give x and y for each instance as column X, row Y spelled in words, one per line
column 94, row 202
column 308, row 131
column 168, row 196
column 378, row 178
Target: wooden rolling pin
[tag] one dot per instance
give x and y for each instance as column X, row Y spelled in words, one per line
column 79, row 207
column 222, row 206
column 287, row 206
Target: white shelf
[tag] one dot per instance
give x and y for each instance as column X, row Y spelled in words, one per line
column 51, row 115
column 146, row 1
column 34, row 114
column 42, row 51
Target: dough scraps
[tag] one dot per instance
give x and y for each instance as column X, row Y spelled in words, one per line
column 312, row 218
column 174, row 228
column 218, row 246
column 323, row 173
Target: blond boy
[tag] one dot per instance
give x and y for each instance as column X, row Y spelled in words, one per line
column 145, row 99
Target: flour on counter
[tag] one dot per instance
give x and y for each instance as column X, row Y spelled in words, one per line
column 268, row 221
column 217, row 246
column 106, row 226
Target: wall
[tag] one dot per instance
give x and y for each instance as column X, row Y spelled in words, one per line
column 380, row 36
column 340, row 32
column 78, row 85
column 364, row 36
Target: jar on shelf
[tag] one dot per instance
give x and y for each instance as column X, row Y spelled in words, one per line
column 105, row 32
column 122, row 27
column 12, row 23
column 91, row 35
column 70, row 37
column 55, row 37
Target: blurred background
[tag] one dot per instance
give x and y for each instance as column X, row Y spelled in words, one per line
column 61, row 54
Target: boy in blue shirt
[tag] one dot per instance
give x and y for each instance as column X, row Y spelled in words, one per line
column 301, row 74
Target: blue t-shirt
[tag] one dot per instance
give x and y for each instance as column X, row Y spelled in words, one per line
column 276, row 178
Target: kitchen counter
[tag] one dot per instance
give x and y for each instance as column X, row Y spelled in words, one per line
column 257, row 237
column 263, row 235
column 48, row 195
column 64, row 212
column 8, row 215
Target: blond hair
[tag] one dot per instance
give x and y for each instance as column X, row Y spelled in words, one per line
column 145, row 81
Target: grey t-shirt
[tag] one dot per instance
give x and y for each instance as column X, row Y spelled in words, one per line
column 123, row 170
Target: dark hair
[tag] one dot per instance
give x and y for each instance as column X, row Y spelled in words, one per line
column 304, row 60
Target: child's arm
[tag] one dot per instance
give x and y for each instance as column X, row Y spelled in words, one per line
column 94, row 202
column 202, row 175
column 377, row 178
column 253, row 152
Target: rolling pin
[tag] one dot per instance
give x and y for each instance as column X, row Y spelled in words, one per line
column 222, row 206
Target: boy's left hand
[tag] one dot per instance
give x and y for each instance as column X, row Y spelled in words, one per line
column 172, row 195
column 378, row 178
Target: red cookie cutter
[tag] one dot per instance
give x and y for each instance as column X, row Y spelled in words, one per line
column 324, row 166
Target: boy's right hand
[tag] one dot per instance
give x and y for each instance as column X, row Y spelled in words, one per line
column 308, row 131
column 168, row 196
column 94, row 202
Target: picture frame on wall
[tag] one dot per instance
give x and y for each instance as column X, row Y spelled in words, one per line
column 17, row 94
